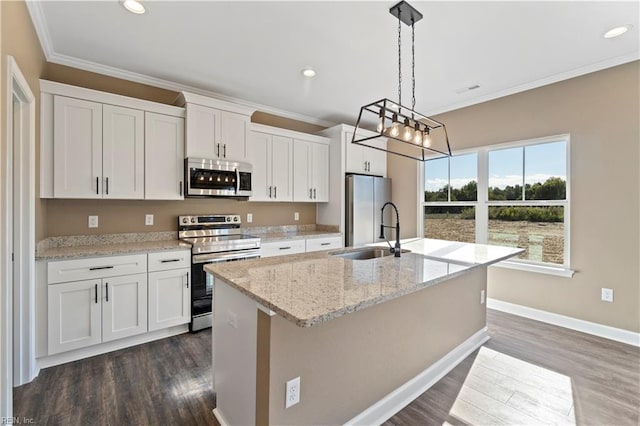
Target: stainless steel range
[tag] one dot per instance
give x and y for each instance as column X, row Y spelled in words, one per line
column 215, row 238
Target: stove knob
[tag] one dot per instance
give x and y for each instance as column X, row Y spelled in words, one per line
column 185, row 220
column 235, row 218
column 193, row 220
column 228, row 219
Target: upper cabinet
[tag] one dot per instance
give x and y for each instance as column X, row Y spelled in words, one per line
column 365, row 160
column 100, row 145
column 288, row 165
column 215, row 129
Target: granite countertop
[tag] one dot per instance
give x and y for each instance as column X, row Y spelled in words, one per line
column 311, row 288
column 295, row 235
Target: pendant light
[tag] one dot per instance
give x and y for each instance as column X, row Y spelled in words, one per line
column 408, row 133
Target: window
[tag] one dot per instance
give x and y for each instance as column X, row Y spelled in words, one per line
column 519, row 199
column 451, row 195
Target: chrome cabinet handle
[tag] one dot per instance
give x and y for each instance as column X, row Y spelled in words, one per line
column 97, row 185
column 181, row 188
column 270, row 192
column 365, row 166
column 218, row 150
column 310, row 193
column 95, row 268
column 96, row 289
column 224, row 152
column 107, row 289
column 169, row 260
column 107, row 185
column 275, row 192
column 325, row 244
column 285, row 248
column 187, row 280
column 314, row 193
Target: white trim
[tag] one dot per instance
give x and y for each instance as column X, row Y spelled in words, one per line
column 39, row 22
column 265, row 310
column 22, row 182
column 256, row 127
column 600, row 330
column 103, row 348
column 395, row 401
column 577, row 72
column 540, row 269
column 219, row 417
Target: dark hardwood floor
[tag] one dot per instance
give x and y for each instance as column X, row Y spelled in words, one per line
column 528, row 373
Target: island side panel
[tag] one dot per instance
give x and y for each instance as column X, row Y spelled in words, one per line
column 234, row 354
column 349, row 363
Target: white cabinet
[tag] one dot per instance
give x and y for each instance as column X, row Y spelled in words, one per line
column 75, row 315
column 365, row 160
column 169, row 289
column 325, row 243
column 281, row 248
column 164, row 157
column 95, row 300
column 216, row 134
column 77, row 148
column 100, row 145
column 310, row 171
column 272, row 160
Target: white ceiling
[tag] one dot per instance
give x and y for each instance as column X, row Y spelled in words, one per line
column 255, row 51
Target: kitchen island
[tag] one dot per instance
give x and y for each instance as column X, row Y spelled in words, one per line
column 365, row 337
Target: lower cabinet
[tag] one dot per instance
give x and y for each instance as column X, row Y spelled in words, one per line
column 169, row 298
column 282, row 248
column 85, row 313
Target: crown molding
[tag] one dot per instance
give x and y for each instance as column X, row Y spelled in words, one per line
column 576, row 72
column 40, row 24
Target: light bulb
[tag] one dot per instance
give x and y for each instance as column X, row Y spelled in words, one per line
column 427, row 139
column 407, row 133
column 395, row 127
column 417, row 137
column 380, row 127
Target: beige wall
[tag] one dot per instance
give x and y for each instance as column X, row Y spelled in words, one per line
column 601, row 112
column 347, row 364
column 69, row 217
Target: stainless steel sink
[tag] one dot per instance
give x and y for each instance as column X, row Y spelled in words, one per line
column 366, row 253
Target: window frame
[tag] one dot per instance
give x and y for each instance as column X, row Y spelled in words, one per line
column 483, row 203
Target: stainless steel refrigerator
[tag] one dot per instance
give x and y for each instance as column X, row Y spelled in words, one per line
column 365, row 196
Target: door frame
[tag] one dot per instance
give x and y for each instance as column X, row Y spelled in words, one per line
column 18, row 299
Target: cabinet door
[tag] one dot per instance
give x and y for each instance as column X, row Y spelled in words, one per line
column 355, row 162
column 122, row 153
column 124, row 306
column 74, row 313
column 169, row 298
column 302, row 157
column 202, row 131
column 77, row 148
column 377, row 160
column 233, row 136
column 258, row 155
column 282, row 168
column 164, row 157
column 320, row 172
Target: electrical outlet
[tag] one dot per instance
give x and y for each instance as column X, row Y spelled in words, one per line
column 232, row 319
column 292, row 394
column 296, row 216
column 606, row 294
column 249, row 217
column 148, row 219
column 93, row 221
column 482, row 297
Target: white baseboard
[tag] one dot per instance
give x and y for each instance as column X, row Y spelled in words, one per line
column 403, row 395
column 103, row 348
column 219, row 417
column 612, row 333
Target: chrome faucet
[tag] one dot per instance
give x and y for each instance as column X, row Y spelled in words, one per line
column 395, row 250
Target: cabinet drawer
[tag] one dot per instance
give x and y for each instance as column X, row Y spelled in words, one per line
column 318, row 244
column 166, row 260
column 95, row 267
column 282, row 248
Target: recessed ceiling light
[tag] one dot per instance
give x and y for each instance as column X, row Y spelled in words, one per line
column 134, row 6
column 309, row 72
column 617, row 31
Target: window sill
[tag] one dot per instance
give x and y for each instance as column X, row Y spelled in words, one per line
column 540, row 269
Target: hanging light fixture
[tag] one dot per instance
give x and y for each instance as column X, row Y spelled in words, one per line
column 409, row 133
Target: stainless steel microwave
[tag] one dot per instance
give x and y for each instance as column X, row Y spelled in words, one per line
column 217, row 178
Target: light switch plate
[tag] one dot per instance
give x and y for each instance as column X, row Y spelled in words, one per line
column 249, row 217
column 93, row 221
column 148, row 219
column 296, row 216
column 606, row 294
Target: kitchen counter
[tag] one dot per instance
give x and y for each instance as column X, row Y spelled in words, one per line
column 296, row 235
column 311, row 288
